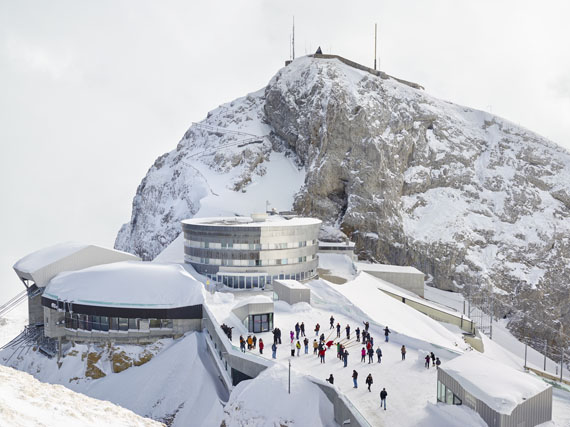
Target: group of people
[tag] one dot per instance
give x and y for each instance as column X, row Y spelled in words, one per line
column 251, row 342
column 227, row 330
column 434, row 360
column 369, row 381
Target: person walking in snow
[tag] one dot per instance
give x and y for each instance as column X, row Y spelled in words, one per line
column 274, row 351
column 379, row 354
column 293, row 348
column 241, row 344
column 383, row 396
column 317, row 328
column 357, row 330
column 427, row 359
column 292, row 335
column 386, row 332
column 437, row 363
column 322, row 354
column 369, row 381
column 332, row 322
column 363, row 355
column 306, row 342
column 330, row 379
column 249, row 342
column 275, row 339
column 302, row 329
column 345, row 357
column 355, row 378
column 315, row 348
column 254, row 341
column 347, row 332
column 279, row 335
column 403, row 351
column 370, row 355
column 297, row 329
column 432, row 358
column 260, row 346
column 298, row 347
column 366, row 326
column 338, row 330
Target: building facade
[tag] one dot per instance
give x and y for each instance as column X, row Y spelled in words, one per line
column 246, row 253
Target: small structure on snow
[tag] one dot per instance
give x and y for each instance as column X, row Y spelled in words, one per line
column 291, row 291
column 256, row 313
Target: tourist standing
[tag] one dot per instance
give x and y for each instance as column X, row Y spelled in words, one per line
column 386, row 333
column 355, row 378
column 274, row 351
column 369, row 381
column 260, row 346
column 403, row 351
column 379, row 354
column 383, row 395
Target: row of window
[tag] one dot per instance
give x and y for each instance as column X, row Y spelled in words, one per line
column 248, row 262
column 105, row 324
column 249, row 246
column 445, row 395
column 249, row 282
column 257, row 323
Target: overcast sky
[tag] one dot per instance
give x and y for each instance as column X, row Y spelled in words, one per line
column 92, row 92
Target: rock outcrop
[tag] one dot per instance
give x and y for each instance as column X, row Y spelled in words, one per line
column 474, row 201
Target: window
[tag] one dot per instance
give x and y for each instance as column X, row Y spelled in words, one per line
column 262, row 281
column 255, row 282
column 95, row 322
column 258, row 262
column 251, row 262
column 248, row 282
column 241, row 282
column 114, row 323
column 166, row 323
column 133, row 324
column 123, row 324
column 104, row 323
column 155, row 323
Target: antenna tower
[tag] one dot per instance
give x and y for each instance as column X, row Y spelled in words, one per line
column 293, row 40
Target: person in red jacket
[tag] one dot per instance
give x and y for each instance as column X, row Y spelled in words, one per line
column 322, row 354
column 260, row 346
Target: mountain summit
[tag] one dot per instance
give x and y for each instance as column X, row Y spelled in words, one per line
column 473, row 200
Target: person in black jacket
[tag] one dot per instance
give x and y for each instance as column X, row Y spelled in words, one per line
column 355, row 378
column 383, row 395
column 369, row 381
column 331, row 379
column 386, row 332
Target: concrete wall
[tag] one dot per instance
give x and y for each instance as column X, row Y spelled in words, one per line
column 35, row 310
column 291, row 295
column 345, row 414
column 412, row 282
column 256, row 308
column 434, row 313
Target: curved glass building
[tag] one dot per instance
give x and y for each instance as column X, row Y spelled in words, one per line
column 250, row 252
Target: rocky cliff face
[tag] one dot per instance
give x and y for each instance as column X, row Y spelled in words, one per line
column 470, row 199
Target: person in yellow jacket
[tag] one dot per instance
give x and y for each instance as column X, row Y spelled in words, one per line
column 298, row 347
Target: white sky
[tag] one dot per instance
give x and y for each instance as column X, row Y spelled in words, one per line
column 92, row 92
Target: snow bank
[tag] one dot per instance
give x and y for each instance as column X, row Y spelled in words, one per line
column 264, row 401
column 173, row 253
column 128, row 284
column 364, row 294
column 257, row 299
column 501, row 387
column 29, row 402
column 46, row 256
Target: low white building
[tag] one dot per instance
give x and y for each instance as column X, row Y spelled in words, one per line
column 408, row 278
column 501, row 395
column 291, row 291
column 256, row 313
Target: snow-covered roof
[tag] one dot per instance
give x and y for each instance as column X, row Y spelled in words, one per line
column 500, row 386
column 257, row 299
column 45, row 263
column 247, row 221
column 128, row 284
column 292, row 284
column 385, row 268
column 173, row 253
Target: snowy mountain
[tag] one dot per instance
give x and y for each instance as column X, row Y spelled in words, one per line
column 471, row 199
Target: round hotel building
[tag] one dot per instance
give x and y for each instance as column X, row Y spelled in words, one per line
column 250, row 252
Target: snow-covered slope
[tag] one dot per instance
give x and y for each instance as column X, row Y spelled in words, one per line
column 469, row 198
column 25, row 401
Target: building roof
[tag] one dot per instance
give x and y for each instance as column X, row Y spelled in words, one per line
column 257, row 299
column 247, row 221
column 499, row 386
column 292, row 284
column 133, row 284
column 42, row 265
column 385, row 268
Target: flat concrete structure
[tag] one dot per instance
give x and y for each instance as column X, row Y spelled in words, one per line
column 342, row 248
column 501, row 395
column 408, row 278
column 291, row 291
column 256, row 313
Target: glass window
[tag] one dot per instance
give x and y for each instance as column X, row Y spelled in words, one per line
column 75, row 321
column 255, row 282
column 133, row 324
column 85, row 324
column 166, row 323
column 264, row 322
column 241, row 282
column 448, row 396
column 114, row 323
column 95, row 322
column 287, row 276
column 155, row 323
column 258, row 262
column 281, row 276
column 104, row 323
column 225, row 280
column 262, row 281
column 278, row 261
column 123, row 324
column 456, row 400
column 251, row 262
column 248, row 282
column 68, row 321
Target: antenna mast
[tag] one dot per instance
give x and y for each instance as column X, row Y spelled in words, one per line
column 293, row 43
column 375, row 39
